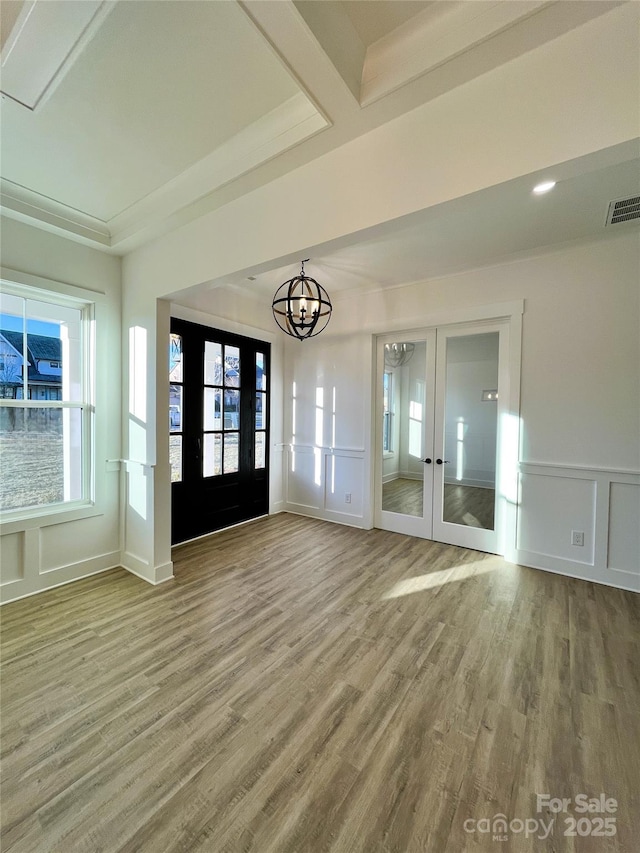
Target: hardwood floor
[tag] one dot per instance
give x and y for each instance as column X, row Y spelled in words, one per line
column 309, row 687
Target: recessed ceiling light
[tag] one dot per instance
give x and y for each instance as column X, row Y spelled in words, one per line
column 544, row 187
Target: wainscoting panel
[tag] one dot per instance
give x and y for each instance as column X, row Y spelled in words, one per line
column 604, row 505
column 550, row 508
column 304, row 481
column 319, row 479
column 11, row 557
column 624, row 528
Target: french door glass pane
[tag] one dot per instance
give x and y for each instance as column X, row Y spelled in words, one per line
column 212, row 408
column 212, row 456
column 212, row 363
column 175, row 457
column 260, row 450
column 231, row 444
column 231, row 409
column 231, row 367
column 471, row 422
column 403, row 393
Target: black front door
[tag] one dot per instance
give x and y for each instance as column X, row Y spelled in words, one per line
column 219, row 429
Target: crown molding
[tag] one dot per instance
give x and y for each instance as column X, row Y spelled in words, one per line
column 422, row 44
column 24, row 204
column 280, row 129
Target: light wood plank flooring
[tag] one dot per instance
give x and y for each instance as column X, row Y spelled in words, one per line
column 309, row 687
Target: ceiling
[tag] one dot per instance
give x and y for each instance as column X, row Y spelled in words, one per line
column 124, row 120
column 491, row 226
column 136, row 117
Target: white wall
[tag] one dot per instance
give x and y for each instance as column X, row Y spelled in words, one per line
column 53, row 549
column 580, row 403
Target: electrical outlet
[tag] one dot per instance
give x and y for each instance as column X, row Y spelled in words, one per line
column 347, row 497
column 577, row 537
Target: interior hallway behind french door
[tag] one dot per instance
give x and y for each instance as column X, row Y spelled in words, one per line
column 219, row 429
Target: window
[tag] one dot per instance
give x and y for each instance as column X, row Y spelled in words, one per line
column 46, row 420
column 387, row 402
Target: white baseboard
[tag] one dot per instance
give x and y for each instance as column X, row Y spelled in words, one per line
column 575, row 569
column 141, row 569
column 348, row 519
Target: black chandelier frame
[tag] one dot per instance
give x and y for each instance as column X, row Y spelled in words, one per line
column 301, row 306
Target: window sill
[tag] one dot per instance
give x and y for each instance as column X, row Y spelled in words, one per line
column 16, row 521
column 389, row 454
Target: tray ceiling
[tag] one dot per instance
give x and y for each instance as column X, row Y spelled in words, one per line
column 123, row 120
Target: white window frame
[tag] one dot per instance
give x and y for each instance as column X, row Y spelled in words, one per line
column 35, row 288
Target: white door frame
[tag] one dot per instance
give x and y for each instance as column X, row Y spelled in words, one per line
column 508, row 485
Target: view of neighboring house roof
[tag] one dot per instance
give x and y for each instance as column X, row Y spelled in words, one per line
column 39, row 346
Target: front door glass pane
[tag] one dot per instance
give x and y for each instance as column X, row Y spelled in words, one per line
column 260, row 408
column 471, row 423
column 212, row 408
column 231, row 444
column 175, row 408
column 175, row 457
column 261, row 376
column 404, row 395
column 260, row 450
column 231, row 409
column 212, row 455
column 231, row 367
column 175, row 358
column 212, row 363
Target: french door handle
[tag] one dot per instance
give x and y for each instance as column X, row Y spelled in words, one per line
column 442, row 461
column 427, row 461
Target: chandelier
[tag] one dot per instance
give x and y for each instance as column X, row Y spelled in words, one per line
column 395, row 355
column 301, row 306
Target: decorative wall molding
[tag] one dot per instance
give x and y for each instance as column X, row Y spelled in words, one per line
column 33, row 581
column 556, row 499
column 334, row 475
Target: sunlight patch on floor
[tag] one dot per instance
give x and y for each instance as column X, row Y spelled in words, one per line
column 435, row 579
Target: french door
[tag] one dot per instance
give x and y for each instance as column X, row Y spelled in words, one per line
column 440, row 404
column 219, row 429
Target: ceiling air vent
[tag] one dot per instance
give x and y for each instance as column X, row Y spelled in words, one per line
column 623, row 210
